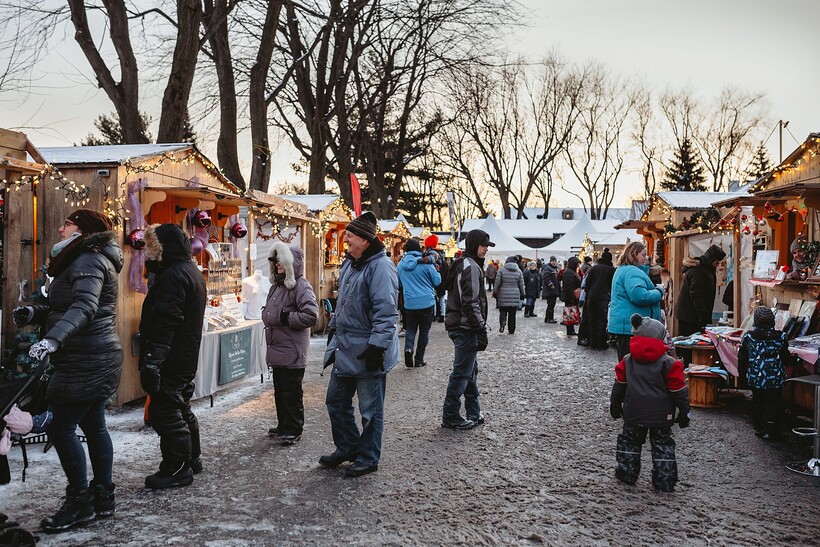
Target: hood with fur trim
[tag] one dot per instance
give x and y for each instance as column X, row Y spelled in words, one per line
column 292, row 262
column 167, row 243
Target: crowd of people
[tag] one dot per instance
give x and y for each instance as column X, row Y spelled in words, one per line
column 610, row 304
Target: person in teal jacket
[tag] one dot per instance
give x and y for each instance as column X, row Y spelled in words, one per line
column 632, row 292
column 418, row 280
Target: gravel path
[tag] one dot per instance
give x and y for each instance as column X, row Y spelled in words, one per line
column 539, row 471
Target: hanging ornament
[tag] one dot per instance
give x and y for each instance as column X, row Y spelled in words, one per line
column 239, row 230
column 746, row 230
column 136, row 239
column 744, row 218
column 761, row 221
column 734, row 221
column 201, row 219
column 755, row 232
column 767, row 207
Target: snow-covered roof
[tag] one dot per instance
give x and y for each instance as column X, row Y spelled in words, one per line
column 416, row 232
column 389, row 224
column 696, row 200
column 555, row 213
column 620, row 237
column 106, row 154
column 314, row 202
column 542, row 229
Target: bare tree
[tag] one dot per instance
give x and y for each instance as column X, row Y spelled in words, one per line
column 728, row 133
column 645, row 135
column 596, row 155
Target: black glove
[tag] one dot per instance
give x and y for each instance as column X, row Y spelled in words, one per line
column 683, row 419
column 22, row 315
column 373, row 358
column 616, row 410
column 482, row 340
column 150, row 377
column 330, row 335
column 283, row 317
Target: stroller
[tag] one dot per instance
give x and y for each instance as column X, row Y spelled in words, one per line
column 27, row 392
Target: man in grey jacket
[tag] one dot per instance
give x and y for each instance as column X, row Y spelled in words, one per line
column 363, row 346
column 466, row 324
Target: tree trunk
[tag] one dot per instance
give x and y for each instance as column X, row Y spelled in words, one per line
column 125, row 94
column 172, row 121
column 215, row 17
column 257, row 101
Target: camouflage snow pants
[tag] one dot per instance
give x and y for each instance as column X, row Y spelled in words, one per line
column 628, row 456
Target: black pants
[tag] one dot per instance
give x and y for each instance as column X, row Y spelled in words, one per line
column 550, row 313
column 506, row 316
column 596, row 312
column 628, row 455
column 622, row 344
column 583, row 326
column 490, row 283
column 767, row 410
column 171, row 417
column 287, row 393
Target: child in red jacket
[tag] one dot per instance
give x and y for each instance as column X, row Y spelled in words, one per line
column 648, row 387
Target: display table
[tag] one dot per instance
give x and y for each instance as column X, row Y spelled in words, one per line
column 812, row 467
column 228, row 355
column 727, row 346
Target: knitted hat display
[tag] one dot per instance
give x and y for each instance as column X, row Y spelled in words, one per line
column 364, row 226
column 431, row 241
column 763, row 317
column 412, row 245
column 714, row 253
column 648, row 327
column 90, row 222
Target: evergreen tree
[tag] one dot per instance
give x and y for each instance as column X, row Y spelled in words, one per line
column 761, row 164
column 111, row 131
column 686, row 172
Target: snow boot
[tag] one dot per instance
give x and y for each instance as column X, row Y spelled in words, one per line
column 103, row 499
column 78, row 508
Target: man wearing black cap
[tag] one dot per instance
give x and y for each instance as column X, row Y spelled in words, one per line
column 363, row 346
column 696, row 298
column 465, row 322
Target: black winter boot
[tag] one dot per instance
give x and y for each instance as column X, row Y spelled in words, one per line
column 170, row 476
column 103, row 499
column 78, row 508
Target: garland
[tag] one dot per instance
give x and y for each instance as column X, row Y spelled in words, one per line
column 276, row 231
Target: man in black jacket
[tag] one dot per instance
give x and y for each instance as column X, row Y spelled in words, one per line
column 171, row 331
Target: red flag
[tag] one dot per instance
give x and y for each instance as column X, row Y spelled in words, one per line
column 357, row 194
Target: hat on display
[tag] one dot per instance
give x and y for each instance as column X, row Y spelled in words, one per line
column 431, row 241
column 648, row 327
column 412, row 245
column 364, row 226
column 89, row 222
column 763, row 317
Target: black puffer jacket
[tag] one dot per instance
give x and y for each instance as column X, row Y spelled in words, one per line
column 570, row 281
column 80, row 316
column 598, row 285
column 172, row 314
column 696, row 298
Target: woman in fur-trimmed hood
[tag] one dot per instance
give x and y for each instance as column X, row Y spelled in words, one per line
column 288, row 315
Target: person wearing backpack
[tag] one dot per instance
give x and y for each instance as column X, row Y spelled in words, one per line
column 761, row 359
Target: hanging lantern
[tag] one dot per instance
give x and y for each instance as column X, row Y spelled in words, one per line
column 238, row 230
column 136, row 239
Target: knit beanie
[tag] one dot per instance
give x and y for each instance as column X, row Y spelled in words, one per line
column 412, row 245
column 364, row 226
column 713, row 253
column 530, row 264
column 553, row 259
column 796, row 244
column 431, row 241
column 90, row 222
column 764, row 318
column 648, row 327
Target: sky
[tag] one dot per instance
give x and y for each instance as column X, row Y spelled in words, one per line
column 705, row 45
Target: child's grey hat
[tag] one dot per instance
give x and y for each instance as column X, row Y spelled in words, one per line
column 646, row 326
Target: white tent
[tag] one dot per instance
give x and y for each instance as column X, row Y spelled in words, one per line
column 570, row 243
column 505, row 244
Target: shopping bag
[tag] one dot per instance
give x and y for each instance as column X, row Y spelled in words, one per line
column 571, row 315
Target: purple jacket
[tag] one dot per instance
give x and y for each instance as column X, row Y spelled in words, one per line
column 288, row 342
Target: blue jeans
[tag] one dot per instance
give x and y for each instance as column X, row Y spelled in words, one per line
column 464, row 377
column 421, row 321
column 367, row 444
column 90, row 416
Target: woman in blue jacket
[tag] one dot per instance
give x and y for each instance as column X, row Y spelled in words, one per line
column 632, row 292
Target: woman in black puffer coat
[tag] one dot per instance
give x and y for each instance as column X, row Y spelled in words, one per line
column 81, row 335
column 569, row 282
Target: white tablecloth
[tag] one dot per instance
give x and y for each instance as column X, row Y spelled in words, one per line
column 206, row 381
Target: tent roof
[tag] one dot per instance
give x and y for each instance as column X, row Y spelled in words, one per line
column 541, row 228
column 505, row 244
column 574, row 237
column 314, row 202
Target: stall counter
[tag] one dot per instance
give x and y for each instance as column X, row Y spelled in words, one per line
column 229, row 355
